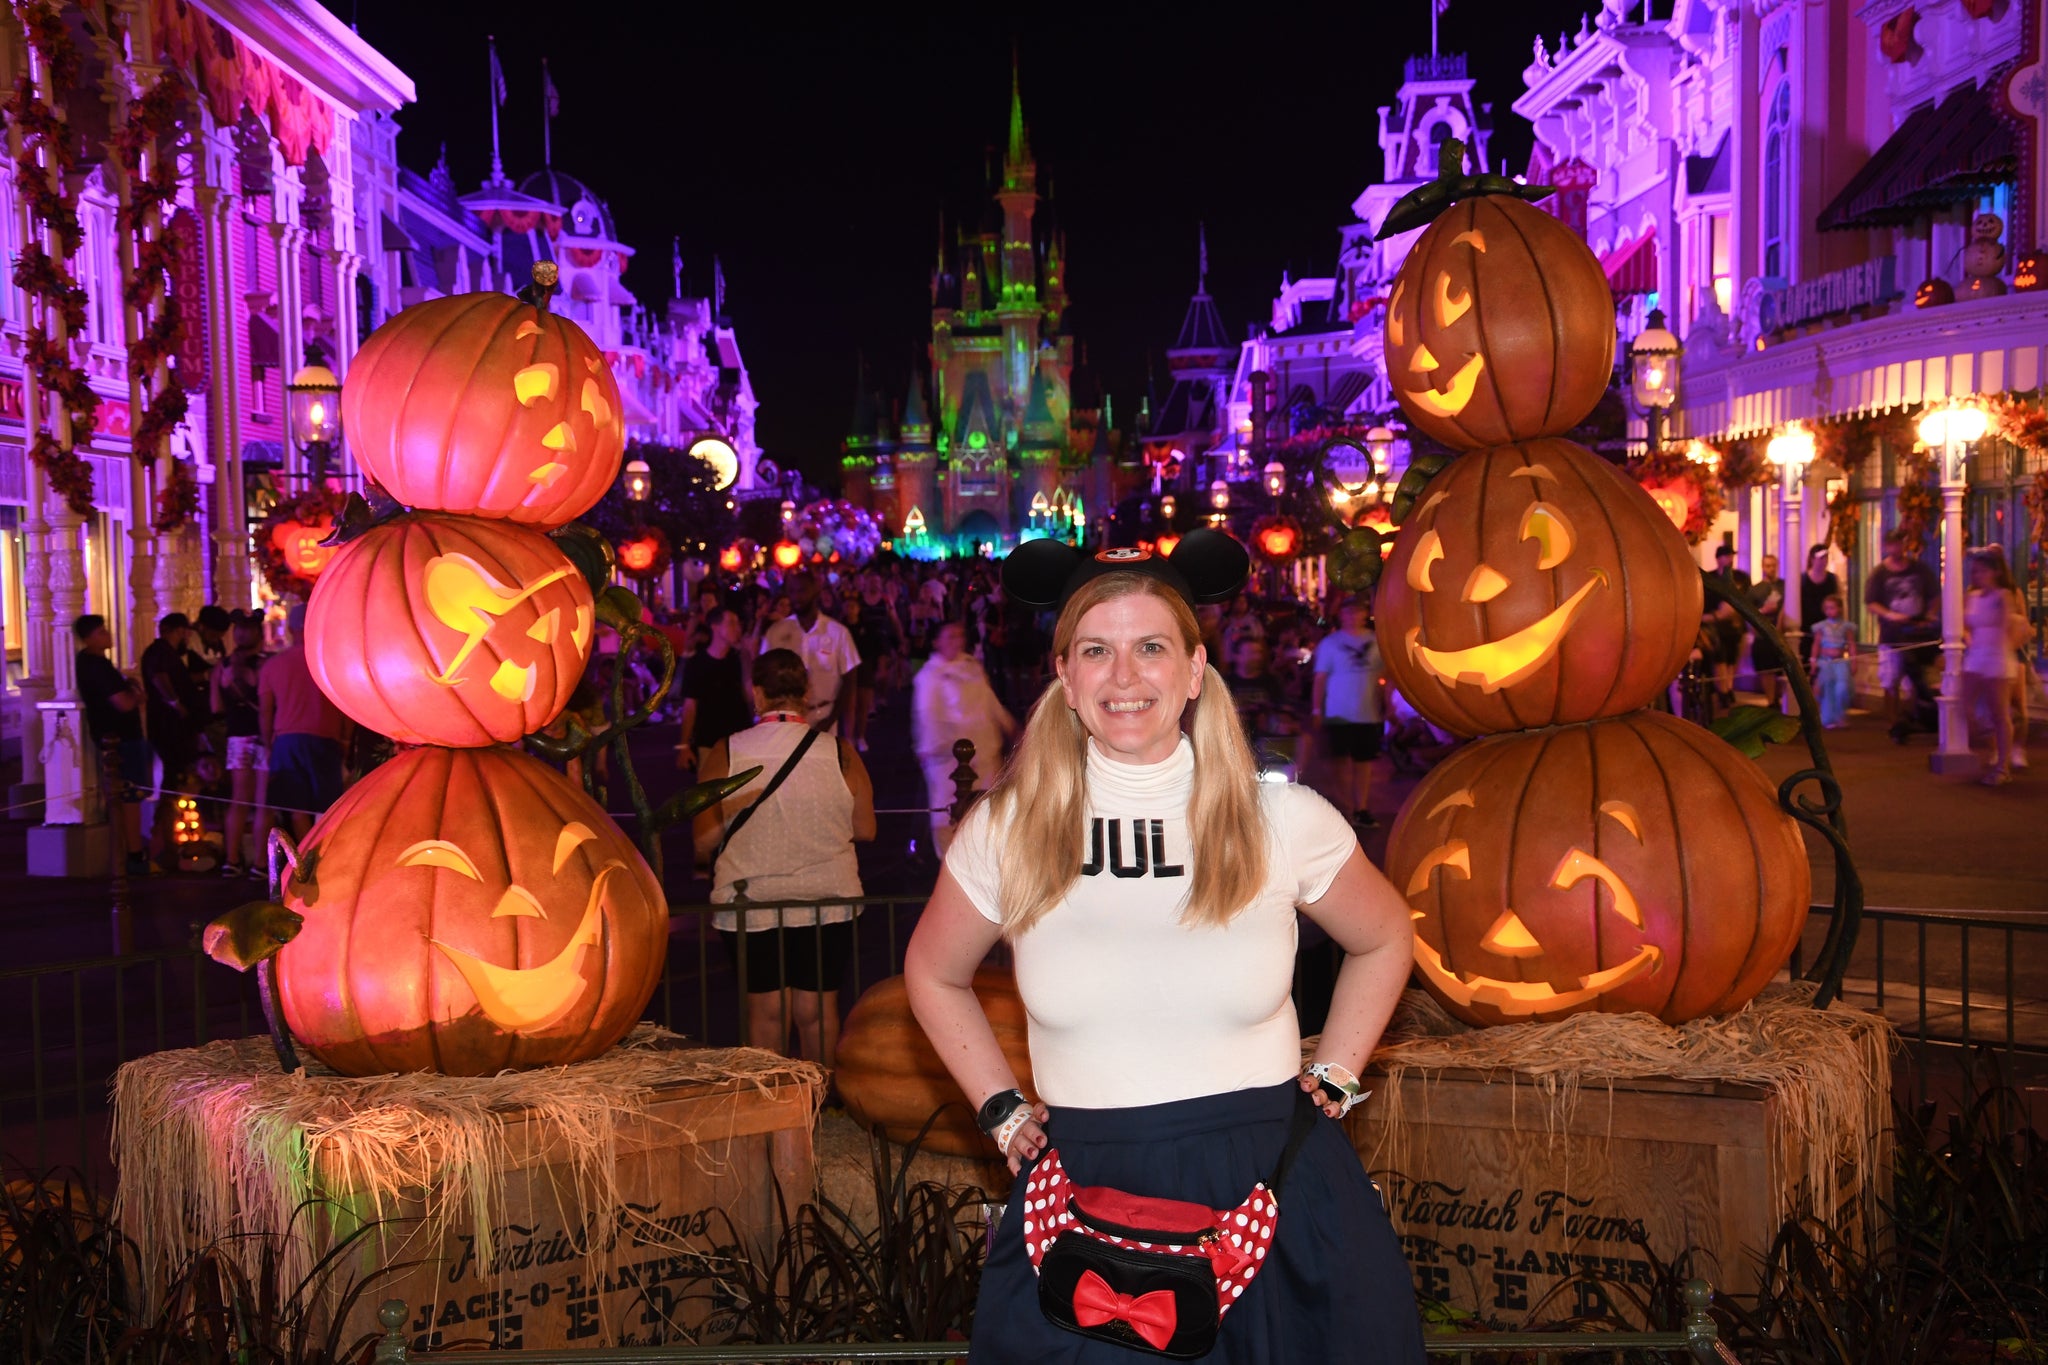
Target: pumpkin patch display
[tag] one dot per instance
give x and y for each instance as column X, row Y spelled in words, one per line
column 1639, row 863
column 891, row 1078
column 1500, row 326
column 1535, row 584
column 436, row 629
column 468, row 911
column 488, row 405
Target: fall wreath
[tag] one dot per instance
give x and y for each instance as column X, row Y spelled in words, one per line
column 287, row 541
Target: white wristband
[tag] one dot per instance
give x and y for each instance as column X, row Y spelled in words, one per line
column 1341, row 1077
column 1007, row 1129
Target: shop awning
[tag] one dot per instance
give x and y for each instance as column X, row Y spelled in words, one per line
column 1944, row 153
column 1632, row 267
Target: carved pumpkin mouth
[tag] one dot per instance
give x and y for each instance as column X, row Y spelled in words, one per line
column 1520, row 998
column 535, row 997
column 1510, row 659
column 1453, row 399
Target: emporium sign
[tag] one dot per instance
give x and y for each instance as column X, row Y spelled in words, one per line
column 1839, row 291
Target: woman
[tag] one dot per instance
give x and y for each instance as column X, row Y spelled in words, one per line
column 1816, row 585
column 1163, row 1037
column 787, row 835
column 1993, row 622
column 951, row 700
column 235, row 697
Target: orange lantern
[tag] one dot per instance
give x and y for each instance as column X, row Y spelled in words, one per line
column 788, row 554
column 646, row 555
column 435, row 629
column 300, row 545
column 730, row 559
column 1167, row 543
column 1278, row 538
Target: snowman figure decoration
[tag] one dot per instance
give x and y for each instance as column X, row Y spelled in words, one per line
column 1984, row 257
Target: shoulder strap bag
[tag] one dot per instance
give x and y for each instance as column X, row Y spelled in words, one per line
column 739, row 821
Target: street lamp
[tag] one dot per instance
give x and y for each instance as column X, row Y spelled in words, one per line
column 1219, row 495
column 639, row 481
column 1791, row 450
column 314, row 398
column 1276, row 478
column 1653, row 364
column 789, row 511
column 1167, row 507
column 1379, row 443
column 1952, row 430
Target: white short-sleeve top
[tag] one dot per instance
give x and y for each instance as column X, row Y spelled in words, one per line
column 1127, row 1005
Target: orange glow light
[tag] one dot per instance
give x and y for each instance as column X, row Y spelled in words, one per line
column 788, row 554
column 729, row 559
column 1167, row 543
column 638, row 555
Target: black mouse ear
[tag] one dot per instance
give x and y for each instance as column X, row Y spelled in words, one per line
column 1214, row 563
column 1036, row 572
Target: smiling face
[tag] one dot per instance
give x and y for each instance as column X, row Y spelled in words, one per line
column 1129, row 665
column 468, row 910
column 1535, row 585
column 1500, row 326
column 1637, row 864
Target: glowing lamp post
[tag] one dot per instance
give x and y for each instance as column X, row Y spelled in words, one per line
column 639, row 481
column 1653, row 373
column 314, row 401
column 1275, row 475
column 1790, row 452
column 1379, row 444
column 1952, row 430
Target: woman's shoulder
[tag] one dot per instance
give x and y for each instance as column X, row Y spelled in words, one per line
column 1294, row 812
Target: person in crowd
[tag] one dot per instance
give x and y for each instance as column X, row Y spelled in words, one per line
column 1816, row 585
column 175, row 716
column 1413, row 743
column 827, row 648
column 878, row 637
column 715, row 689
column 304, row 735
column 1767, row 595
column 1240, row 622
column 787, row 835
column 1834, row 660
column 1147, row 886
column 1902, row 593
column 237, row 698
column 113, row 708
column 1994, row 627
column 1727, row 626
column 1260, row 696
column 951, row 700
column 1346, row 705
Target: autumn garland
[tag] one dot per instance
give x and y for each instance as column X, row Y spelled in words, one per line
column 1665, row 467
column 1919, row 500
column 43, row 278
column 2024, row 422
column 151, row 291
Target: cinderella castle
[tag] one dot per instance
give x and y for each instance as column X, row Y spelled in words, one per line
column 1004, row 435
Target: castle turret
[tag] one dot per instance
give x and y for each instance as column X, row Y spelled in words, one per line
column 1039, row 450
column 1017, row 292
column 863, row 440
column 916, row 458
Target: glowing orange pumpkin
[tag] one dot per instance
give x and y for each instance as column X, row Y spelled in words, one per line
column 467, row 911
column 1639, row 863
column 480, row 403
column 1500, row 326
column 435, row 629
column 300, row 545
column 892, row 1079
column 1535, row 584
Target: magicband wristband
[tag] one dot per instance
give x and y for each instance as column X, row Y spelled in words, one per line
column 998, row 1107
column 1339, row 1086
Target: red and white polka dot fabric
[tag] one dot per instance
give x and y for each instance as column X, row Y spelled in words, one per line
column 1243, row 1236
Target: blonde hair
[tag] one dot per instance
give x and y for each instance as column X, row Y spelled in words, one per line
column 1042, row 792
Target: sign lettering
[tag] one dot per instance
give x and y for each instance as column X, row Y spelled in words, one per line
column 1839, row 291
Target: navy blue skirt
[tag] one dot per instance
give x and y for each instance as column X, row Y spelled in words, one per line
column 1335, row 1289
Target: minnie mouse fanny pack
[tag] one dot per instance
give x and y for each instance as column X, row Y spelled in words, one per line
column 1153, row 1275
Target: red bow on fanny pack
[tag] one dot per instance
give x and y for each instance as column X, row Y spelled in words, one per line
column 1151, row 1315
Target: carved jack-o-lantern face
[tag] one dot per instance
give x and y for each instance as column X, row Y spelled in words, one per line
column 1535, row 585
column 479, row 403
column 450, row 630
column 1500, row 326
column 300, row 545
column 468, row 910
column 1551, row 873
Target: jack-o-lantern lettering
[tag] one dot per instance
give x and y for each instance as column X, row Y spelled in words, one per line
column 483, row 404
column 1638, row 863
column 450, row 630
column 467, row 911
column 1535, row 585
column 1500, row 326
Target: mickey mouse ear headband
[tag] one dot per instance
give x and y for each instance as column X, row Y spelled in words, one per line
column 1207, row 566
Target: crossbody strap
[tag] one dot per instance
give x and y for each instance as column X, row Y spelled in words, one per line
column 1306, row 1112
column 788, row 766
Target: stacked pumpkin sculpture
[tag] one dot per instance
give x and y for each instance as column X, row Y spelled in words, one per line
column 465, row 907
column 1590, row 854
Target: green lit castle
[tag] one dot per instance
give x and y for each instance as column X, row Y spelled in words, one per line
column 1001, row 436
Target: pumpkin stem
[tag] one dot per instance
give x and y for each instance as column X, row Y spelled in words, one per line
column 1450, row 159
column 546, row 284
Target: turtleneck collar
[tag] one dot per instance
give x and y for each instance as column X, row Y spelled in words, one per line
column 1140, row 781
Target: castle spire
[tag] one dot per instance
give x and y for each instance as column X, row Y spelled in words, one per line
column 1020, row 138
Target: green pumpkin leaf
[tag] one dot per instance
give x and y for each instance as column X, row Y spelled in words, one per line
column 618, row 608
column 1356, row 562
column 1750, row 728
column 1423, row 205
column 249, row 933
column 1414, row 479
column 692, row 801
column 589, row 550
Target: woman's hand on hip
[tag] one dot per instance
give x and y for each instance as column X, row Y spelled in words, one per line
column 1029, row 1142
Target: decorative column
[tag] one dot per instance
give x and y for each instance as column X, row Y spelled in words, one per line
column 1952, row 431
column 231, row 575
column 36, row 686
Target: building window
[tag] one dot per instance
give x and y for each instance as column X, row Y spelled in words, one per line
column 1723, row 278
column 1776, row 191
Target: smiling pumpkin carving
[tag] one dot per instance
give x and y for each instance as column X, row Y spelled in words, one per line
column 1638, row 863
column 467, row 911
column 1535, row 585
column 1500, row 326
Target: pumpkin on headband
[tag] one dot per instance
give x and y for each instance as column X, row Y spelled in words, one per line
column 1500, row 324
column 489, row 405
column 1639, row 863
column 1535, row 584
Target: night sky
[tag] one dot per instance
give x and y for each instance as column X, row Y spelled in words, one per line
column 814, row 150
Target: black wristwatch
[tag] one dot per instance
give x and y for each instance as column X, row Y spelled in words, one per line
column 998, row 1107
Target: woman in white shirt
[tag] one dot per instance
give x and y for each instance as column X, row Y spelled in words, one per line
column 1147, row 885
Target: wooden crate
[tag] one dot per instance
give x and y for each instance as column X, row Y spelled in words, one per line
column 1502, row 1216
column 703, row 1154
